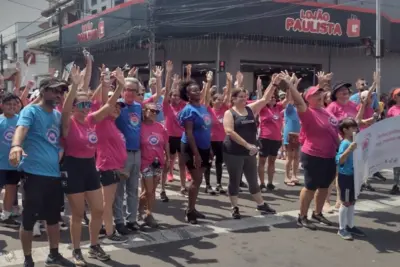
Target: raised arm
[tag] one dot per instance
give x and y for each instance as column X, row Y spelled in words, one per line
column 259, row 104
column 228, row 91
column 69, row 101
column 88, row 73
column 157, row 72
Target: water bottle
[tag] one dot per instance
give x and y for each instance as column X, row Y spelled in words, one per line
column 107, row 76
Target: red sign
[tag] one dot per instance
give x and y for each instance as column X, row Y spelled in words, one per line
column 89, row 33
column 315, row 22
column 353, row 27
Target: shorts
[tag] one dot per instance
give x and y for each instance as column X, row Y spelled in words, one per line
column 81, row 175
column 151, row 172
column 109, row 177
column 187, row 156
column 293, row 142
column 318, row 172
column 11, row 177
column 42, row 200
column 174, row 145
column 269, row 147
column 346, row 186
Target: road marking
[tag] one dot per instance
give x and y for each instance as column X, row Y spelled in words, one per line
column 197, row 231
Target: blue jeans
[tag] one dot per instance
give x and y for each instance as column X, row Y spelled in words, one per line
column 129, row 186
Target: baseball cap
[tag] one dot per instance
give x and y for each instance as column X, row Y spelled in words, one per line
column 312, row 91
column 337, row 86
column 53, row 83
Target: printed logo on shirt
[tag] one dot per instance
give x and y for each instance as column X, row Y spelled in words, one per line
column 333, row 121
column 9, row 133
column 275, row 117
column 153, row 140
column 134, row 119
column 92, row 137
column 52, row 135
column 207, row 119
column 159, row 106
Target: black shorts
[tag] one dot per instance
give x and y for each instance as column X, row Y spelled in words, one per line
column 187, row 156
column 11, row 177
column 346, row 186
column 81, row 175
column 109, row 177
column 318, row 172
column 42, row 199
column 269, row 147
column 174, row 145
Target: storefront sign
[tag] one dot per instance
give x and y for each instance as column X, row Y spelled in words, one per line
column 89, row 33
column 315, row 22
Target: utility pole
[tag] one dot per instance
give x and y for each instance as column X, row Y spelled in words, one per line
column 378, row 43
column 60, row 39
column 152, row 35
column 1, row 55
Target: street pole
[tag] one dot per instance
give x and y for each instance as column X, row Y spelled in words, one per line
column 152, row 36
column 378, row 43
column 60, row 40
column 218, row 62
column 1, row 55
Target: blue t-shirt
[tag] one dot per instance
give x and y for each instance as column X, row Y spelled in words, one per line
column 356, row 99
column 347, row 168
column 159, row 104
column 129, row 123
column 7, row 129
column 42, row 142
column 201, row 124
column 292, row 122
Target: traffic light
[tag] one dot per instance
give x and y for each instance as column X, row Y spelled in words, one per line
column 222, row 66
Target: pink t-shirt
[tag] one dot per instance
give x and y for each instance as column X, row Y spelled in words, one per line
column 111, row 149
column 320, row 130
column 393, row 111
column 171, row 118
column 153, row 138
column 368, row 113
column 271, row 120
column 217, row 117
column 342, row 111
column 81, row 141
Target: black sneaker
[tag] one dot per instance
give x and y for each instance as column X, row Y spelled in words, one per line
column 114, row 239
column 133, row 226
column 209, row 190
column 369, row 187
column 199, row 215
column 395, row 190
column 263, row 188
column 96, row 252
column 379, row 176
column 78, row 259
column 163, row 197
column 85, row 220
column 236, row 213
column 184, row 192
column 220, row 189
column 59, row 260
column 150, row 221
column 265, row 209
column 355, row 231
column 122, row 229
column 243, row 184
column 306, row 223
column 102, row 231
column 29, row 263
column 321, row 219
column 10, row 222
column 63, row 225
column 270, row 186
column 191, row 216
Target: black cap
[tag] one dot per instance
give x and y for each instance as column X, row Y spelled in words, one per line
column 53, row 83
column 337, row 86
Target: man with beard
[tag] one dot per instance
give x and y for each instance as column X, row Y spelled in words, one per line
column 35, row 150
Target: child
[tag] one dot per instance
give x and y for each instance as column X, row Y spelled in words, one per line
column 344, row 159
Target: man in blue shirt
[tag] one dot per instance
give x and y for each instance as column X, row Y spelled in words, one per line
column 362, row 85
column 129, row 123
column 160, row 100
column 35, row 150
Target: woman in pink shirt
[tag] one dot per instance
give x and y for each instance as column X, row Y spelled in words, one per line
column 154, row 149
column 78, row 126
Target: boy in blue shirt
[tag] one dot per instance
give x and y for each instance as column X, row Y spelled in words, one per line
column 344, row 160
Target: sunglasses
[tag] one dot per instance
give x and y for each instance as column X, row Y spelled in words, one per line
column 83, row 104
column 154, row 111
column 141, row 94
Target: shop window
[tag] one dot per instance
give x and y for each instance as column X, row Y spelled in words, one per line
column 199, row 70
column 94, row 2
column 103, row 8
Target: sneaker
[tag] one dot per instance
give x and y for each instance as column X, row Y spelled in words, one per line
column 59, row 260
column 270, row 186
column 78, row 259
column 170, row 178
column 36, row 230
column 133, row 226
column 355, row 231
column 102, row 231
column 163, row 197
column 10, row 222
column 29, row 263
column 263, row 188
column 209, row 190
column 183, row 192
column 243, row 185
column 63, row 225
column 85, row 220
column 265, row 209
column 191, row 216
column 199, row 215
column 114, row 239
column 306, row 223
column 395, row 190
column 236, row 213
column 122, row 229
column 219, row 189
column 150, row 221
column 96, row 252
column 368, row 187
column 379, row 176
column 343, row 233
column 321, row 219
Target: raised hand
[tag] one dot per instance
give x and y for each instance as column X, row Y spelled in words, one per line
column 169, row 66
column 209, row 76
column 75, row 75
column 119, row 75
column 239, row 78
column 133, row 72
column 229, row 77
column 176, row 79
column 158, row 71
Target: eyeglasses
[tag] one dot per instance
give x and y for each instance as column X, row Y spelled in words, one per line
column 154, row 111
column 140, row 94
column 83, row 104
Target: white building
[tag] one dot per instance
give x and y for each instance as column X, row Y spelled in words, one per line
column 91, row 7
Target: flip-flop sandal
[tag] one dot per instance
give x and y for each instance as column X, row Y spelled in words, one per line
column 296, row 182
column 291, row 184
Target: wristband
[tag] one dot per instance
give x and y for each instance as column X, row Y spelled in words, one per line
column 16, row 146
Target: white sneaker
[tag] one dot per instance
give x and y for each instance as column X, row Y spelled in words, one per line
column 36, row 230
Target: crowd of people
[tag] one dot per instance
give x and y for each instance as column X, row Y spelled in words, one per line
column 117, row 142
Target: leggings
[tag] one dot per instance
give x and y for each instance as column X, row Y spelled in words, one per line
column 238, row 165
column 216, row 147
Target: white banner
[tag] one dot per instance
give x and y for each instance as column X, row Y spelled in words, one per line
column 378, row 147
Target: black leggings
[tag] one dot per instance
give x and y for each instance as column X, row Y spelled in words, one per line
column 216, row 147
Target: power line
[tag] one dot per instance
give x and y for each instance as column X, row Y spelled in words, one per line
column 21, row 4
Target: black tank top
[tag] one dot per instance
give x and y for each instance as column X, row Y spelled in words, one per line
column 246, row 127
